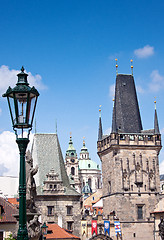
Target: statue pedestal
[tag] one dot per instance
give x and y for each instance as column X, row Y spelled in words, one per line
column 33, row 226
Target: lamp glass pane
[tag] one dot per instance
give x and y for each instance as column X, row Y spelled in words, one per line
column 21, row 99
column 12, row 109
column 32, row 103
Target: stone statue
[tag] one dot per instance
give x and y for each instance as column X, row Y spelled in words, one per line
column 34, row 230
column 30, row 183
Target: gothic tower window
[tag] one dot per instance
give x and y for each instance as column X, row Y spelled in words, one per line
column 140, row 212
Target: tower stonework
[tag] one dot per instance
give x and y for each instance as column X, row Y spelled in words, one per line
column 130, row 165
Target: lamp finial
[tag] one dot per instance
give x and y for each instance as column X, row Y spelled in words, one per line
column 22, row 69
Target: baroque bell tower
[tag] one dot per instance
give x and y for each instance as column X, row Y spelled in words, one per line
column 72, row 166
column 130, row 165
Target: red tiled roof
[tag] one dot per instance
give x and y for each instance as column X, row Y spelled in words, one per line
column 6, row 211
column 13, row 201
column 58, row 232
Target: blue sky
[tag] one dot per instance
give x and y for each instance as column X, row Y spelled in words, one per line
column 69, row 48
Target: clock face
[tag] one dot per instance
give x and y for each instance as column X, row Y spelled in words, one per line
column 73, row 160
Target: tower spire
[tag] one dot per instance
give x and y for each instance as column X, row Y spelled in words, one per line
column 100, row 133
column 156, row 125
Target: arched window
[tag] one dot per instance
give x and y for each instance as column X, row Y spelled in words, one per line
column 72, row 170
column 89, row 182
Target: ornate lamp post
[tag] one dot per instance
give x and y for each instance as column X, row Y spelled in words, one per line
column 44, row 230
column 22, row 101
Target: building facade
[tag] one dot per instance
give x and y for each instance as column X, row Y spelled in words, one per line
column 56, row 200
column 130, row 165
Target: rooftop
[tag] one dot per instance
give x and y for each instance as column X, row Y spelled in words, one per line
column 56, row 232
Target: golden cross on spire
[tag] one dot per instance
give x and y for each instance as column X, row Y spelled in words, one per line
column 131, row 66
column 155, row 102
column 83, row 140
column 116, row 66
column 100, row 110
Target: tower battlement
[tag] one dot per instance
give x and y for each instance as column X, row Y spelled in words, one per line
column 135, row 140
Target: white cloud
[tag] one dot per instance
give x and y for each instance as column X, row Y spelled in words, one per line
column 144, row 52
column 108, row 131
column 9, row 78
column 112, row 90
column 9, row 153
column 157, row 81
column 162, row 131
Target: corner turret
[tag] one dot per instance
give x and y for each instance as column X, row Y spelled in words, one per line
column 156, row 125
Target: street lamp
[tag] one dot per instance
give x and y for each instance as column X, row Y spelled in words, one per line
column 22, row 101
column 44, row 230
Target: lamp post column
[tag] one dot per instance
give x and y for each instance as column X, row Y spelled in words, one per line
column 22, row 231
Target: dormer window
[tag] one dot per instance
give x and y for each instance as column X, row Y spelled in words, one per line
column 89, row 165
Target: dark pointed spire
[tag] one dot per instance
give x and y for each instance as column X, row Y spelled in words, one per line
column 156, row 125
column 100, row 133
column 126, row 114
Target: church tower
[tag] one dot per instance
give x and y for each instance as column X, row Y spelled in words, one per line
column 130, row 165
column 72, row 166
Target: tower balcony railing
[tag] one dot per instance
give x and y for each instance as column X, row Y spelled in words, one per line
column 131, row 139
